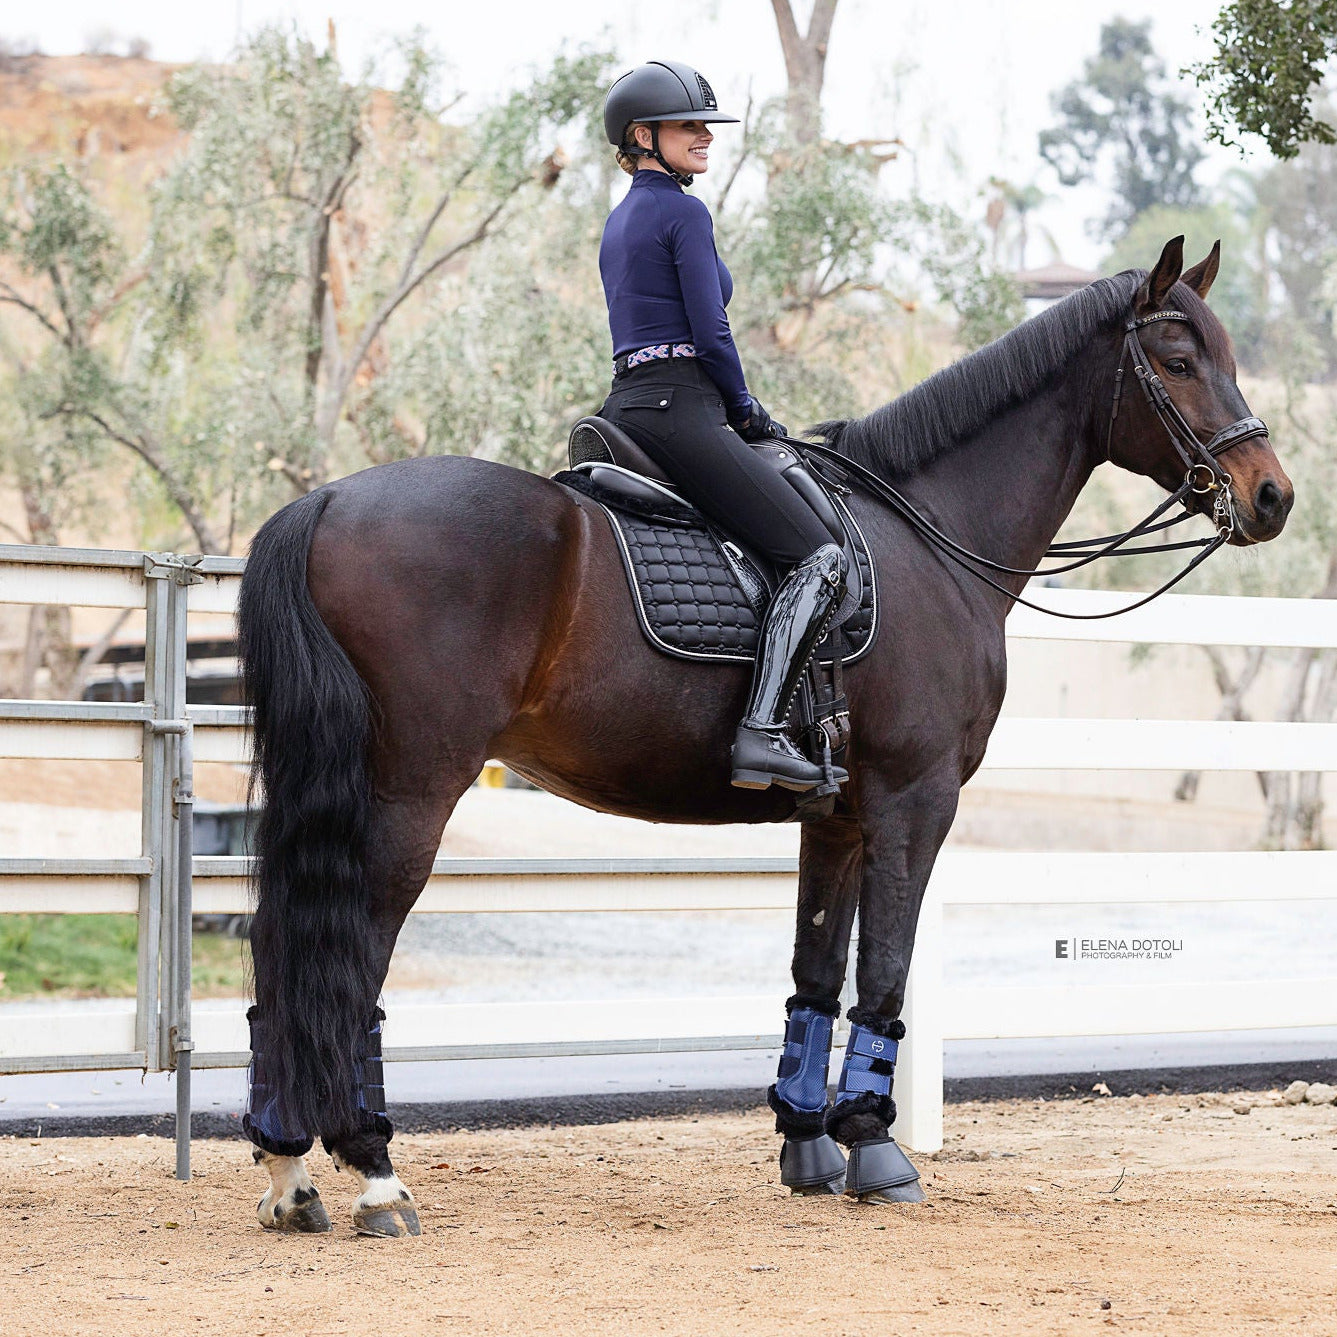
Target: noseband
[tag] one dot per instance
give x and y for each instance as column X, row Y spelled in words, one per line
column 1204, row 474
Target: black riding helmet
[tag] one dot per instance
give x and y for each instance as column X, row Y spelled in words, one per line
column 660, row 90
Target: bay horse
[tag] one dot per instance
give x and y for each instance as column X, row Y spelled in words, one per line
column 401, row 626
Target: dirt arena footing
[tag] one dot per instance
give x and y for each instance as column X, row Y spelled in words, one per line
column 1181, row 1212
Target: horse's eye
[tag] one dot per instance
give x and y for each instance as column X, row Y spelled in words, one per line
column 1176, row 366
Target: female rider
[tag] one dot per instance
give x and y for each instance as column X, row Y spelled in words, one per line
column 679, row 392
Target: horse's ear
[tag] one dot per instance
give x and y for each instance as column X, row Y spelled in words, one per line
column 1201, row 277
column 1156, row 286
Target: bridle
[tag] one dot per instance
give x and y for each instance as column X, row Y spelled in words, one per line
column 1204, row 475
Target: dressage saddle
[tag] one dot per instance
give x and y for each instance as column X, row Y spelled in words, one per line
column 619, row 470
column 701, row 594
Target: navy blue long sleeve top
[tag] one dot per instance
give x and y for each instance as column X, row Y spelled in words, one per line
column 665, row 283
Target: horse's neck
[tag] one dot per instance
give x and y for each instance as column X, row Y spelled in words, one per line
column 1005, row 492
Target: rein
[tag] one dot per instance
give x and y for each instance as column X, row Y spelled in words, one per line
column 1204, row 475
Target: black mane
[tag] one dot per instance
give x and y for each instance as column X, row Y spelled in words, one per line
column 901, row 437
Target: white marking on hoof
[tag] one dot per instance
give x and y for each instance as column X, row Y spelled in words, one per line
column 384, row 1208
column 292, row 1202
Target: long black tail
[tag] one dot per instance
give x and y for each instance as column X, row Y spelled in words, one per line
column 316, row 977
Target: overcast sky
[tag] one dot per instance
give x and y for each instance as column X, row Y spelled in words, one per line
column 965, row 83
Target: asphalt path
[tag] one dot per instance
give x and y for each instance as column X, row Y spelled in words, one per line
column 492, row 1093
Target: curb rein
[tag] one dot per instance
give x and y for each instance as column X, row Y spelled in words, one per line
column 1204, row 475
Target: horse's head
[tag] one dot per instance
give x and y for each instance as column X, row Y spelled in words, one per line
column 1186, row 371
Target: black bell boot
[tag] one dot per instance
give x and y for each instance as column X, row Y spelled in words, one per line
column 796, row 621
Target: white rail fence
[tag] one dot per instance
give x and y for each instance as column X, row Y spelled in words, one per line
column 157, row 1030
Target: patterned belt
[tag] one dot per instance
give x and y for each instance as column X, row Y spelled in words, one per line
column 654, row 353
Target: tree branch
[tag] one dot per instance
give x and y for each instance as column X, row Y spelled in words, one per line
column 320, row 260
column 424, row 232
column 819, row 26
column 125, row 286
column 744, row 152
column 63, row 301
column 784, row 20
column 176, row 489
column 8, row 294
column 376, row 322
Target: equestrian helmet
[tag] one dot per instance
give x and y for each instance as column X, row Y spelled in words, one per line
column 660, row 90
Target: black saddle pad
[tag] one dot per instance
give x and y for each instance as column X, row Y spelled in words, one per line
column 697, row 596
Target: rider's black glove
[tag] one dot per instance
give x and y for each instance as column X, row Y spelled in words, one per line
column 761, row 426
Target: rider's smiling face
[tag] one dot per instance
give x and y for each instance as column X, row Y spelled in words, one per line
column 684, row 144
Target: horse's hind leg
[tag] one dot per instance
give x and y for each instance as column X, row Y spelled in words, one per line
column 810, row 1162
column 903, row 830
column 407, row 836
column 292, row 1202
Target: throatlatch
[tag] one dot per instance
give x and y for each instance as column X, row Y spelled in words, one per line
column 810, row 1161
column 263, row 1122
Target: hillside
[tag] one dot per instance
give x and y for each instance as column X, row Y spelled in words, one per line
column 93, row 106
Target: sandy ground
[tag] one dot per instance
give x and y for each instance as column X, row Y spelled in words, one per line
column 1162, row 1214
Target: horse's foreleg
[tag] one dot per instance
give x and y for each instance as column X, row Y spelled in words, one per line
column 903, row 830
column 810, row 1162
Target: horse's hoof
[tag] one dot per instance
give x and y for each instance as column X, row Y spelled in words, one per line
column 812, row 1166
column 304, row 1218
column 292, row 1202
column 832, row 1187
column 879, row 1171
column 388, row 1221
column 902, row 1193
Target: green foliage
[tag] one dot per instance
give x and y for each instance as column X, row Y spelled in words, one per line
column 1122, row 117
column 987, row 303
column 300, row 250
column 826, row 265
column 96, row 955
column 1265, row 75
column 67, row 953
column 515, row 350
column 817, row 232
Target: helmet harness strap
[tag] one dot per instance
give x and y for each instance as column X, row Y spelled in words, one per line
column 682, row 178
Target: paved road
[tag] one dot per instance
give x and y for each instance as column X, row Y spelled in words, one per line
column 56, row 1099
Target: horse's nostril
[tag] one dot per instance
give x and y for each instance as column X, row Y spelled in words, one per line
column 1267, row 502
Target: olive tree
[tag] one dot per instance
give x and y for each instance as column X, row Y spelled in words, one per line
column 296, row 248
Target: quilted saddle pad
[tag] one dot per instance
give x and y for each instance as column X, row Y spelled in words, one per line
column 698, row 597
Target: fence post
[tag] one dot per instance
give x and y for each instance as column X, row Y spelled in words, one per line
column 157, row 663
column 175, row 805
column 918, row 1086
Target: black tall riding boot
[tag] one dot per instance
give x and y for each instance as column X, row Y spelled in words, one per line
column 796, row 621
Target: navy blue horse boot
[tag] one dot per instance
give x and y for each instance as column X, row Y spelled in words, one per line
column 810, row 1161
column 292, row 1203
column 384, row 1207
column 879, row 1171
